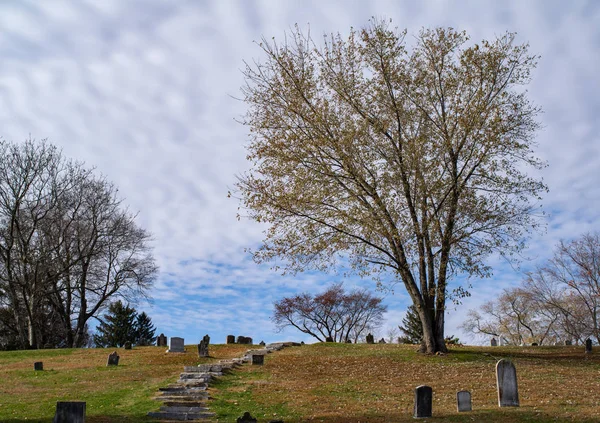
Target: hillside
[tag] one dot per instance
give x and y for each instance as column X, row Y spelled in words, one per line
column 321, row 382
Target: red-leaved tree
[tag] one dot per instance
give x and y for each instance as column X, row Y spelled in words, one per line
column 334, row 314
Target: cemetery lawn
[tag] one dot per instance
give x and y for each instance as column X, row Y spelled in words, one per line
column 335, row 383
column 112, row 394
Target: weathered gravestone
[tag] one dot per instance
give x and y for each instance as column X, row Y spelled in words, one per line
column 506, row 380
column 161, row 341
column 568, row 342
column 348, row 341
column 262, row 343
column 69, row 412
column 244, row 340
column 463, row 401
column 588, row 346
column 203, row 346
column 258, row 359
column 329, row 339
column 534, row 344
column 382, row 341
column 113, row 359
column 493, row 342
column 423, row 400
column 246, row 418
column 370, row 339
column 176, row 345
column 38, row 365
column 127, row 345
column 231, row 339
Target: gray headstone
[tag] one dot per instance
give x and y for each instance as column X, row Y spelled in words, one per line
column 127, row 345
column 161, row 341
column 463, row 401
column 113, row 359
column 176, row 345
column 534, row 344
column 370, row 339
column 588, row 345
column 69, row 412
column 203, row 346
column 230, row 339
column 246, row 418
column 382, row 341
column 568, row 342
column 244, row 340
column 262, row 343
column 329, row 339
column 38, row 365
column 258, row 359
column 493, row 342
column 506, row 380
column 423, row 400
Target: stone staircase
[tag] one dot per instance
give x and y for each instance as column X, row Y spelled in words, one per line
column 187, row 399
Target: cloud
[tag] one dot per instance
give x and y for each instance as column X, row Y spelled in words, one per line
column 145, row 91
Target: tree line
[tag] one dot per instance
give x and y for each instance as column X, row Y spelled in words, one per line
column 558, row 301
column 68, row 246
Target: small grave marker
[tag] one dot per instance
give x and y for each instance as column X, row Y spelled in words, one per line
column 463, row 401
column 176, row 345
column 262, row 343
column 568, row 342
column 494, row 342
column 113, row 359
column 127, row 345
column 203, row 346
column 231, row 339
column 258, row 359
column 38, row 365
column 161, row 341
column 69, row 412
column 382, row 341
column 588, row 346
column 246, row 418
column 423, row 400
column 370, row 339
column 506, row 380
column 329, row 339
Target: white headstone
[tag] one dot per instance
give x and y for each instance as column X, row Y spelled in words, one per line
column 506, row 379
column 176, row 345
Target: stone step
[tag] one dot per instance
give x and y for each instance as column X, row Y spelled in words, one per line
column 183, row 409
column 180, row 403
column 181, row 388
column 165, row 415
column 198, row 376
column 185, row 393
column 193, row 383
column 180, row 398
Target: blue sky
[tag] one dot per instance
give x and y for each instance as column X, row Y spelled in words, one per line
column 145, row 92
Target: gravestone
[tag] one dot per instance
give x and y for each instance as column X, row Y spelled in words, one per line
column 534, row 344
column 244, row 340
column 176, row 345
column 113, row 359
column 348, row 341
column 493, row 342
column 127, row 345
column 568, row 342
column 329, row 339
column 231, row 339
column 203, row 346
column 69, row 412
column 463, row 401
column 382, row 341
column 38, row 365
column 588, row 346
column 258, row 359
column 246, row 418
column 161, row 341
column 506, row 380
column 423, row 400
column 370, row 339
column 262, row 343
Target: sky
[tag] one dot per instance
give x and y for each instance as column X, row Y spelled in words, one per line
column 148, row 93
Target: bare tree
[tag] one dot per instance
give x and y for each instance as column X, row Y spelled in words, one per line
column 409, row 163
column 334, row 314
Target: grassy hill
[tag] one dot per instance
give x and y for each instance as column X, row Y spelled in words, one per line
column 321, row 383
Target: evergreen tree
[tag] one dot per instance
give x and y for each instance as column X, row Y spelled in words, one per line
column 144, row 330
column 411, row 327
column 117, row 327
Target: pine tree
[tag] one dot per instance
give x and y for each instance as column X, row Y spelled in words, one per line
column 411, row 327
column 144, row 330
column 117, row 327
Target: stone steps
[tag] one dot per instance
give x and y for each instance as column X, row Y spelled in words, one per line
column 187, row 399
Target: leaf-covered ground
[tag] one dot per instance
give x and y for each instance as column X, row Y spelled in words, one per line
column 375, row 383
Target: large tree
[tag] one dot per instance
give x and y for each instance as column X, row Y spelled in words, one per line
column 409, row 160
